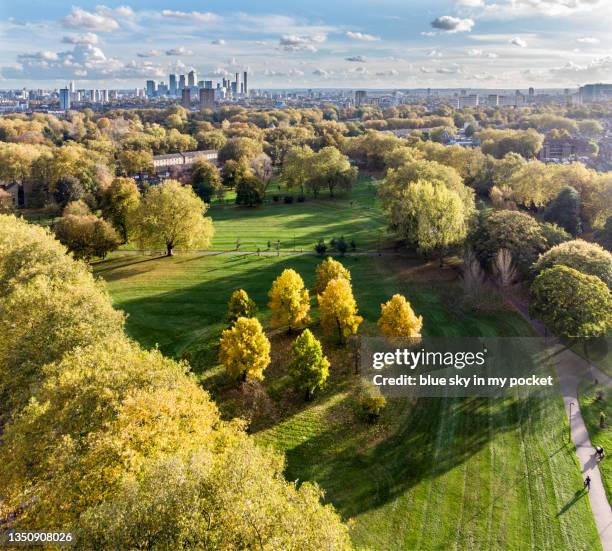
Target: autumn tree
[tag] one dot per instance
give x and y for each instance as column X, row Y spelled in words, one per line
column 244, row 350
column 289, row 301
column 326, row 271
column 296, row 167
column 339, row 309
column 250, row 191
column 588, row 258
column 119, row 203
column 572, row 304
column 172, row 215
column 240, row 305
column 86, row 236
column 397, row 319
column 564, row 211
column 68, row 189
column 309, row 368
column 239, row 149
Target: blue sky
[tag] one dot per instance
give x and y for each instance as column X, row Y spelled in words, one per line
column 370, row 44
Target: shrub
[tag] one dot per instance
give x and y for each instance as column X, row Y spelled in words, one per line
column 288, row 199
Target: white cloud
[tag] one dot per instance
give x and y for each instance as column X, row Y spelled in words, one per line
column 434, row 53
column 359, row 70
column 44, row 55
column 476, row 52
column 296, row 43
column 597, row 70
column 102, row 20
column 149, row 53
column 296, row 73
column 389, row 73
column 84, row 38
column 322, row 73
column 450, row 24
column 588, row 40
column 181, row 50
column 470, row 3
column 203, row 17
column 362, row 36
column 517, row 41
column 513, row 9
column 218, row 42
column 356, row 59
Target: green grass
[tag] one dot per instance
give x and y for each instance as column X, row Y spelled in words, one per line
column 432, row 474
column 591, row 407
column 298, row 226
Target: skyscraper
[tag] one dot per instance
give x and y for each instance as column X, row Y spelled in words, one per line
column 64, row 99
column 237, row 83
column 191, row 79
column 244, row 77
column 172, row 85
column 150, row 89
column 181, row 82
column 207, row 98
column 71, row 86
column 360, row 97
column 186, row 97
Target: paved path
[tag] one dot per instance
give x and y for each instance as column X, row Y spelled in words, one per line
column 261, row 253
column 571, row 369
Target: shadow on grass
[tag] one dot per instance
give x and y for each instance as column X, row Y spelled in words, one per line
column 577, row 497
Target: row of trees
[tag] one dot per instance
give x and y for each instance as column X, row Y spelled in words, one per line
column 117, row 444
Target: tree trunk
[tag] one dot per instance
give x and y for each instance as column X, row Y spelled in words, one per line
column 308, row 395
column 340, row 336
column 169, row 249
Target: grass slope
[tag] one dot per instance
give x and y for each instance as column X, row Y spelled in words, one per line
column 434, row 474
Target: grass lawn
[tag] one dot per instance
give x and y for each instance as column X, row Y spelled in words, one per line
column 591, row 407
column 465, row 474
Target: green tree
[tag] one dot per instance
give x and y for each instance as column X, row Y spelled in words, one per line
column 603, row 236
column 68, row 189
column 240, row 305
column 250, row 191
column 86, row 236
column 297, row 163
column 588, row 258
column 119, row 203
column 573, row 304
column 206, row 180
column 309, row 368
column 564, row 210
column 171, row 215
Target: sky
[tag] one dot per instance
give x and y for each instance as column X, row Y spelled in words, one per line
column 316, row 43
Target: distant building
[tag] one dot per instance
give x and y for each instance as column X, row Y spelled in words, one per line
column 468, row 100
column 360, row 97
column 191, row 79
column 172, row 85
column 181, row 161
column 181, row 82
column 595, row 92
column 564, row 149
column 64, row 99
column 208, row 84
column 244, row 77
column 150, row 89
column 207, row 98
column 186, row 97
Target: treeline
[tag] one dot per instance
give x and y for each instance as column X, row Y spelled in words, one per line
column 120, row 445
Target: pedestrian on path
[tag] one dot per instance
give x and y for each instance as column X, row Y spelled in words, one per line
column 587, row 483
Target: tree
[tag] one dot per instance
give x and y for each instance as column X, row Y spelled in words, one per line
column 68, row 189
column 244, row 350
column 588, row 258
column 206, row 180
column 234, row 172
column 564, row 210
column 289, row 301
column 76, row 208
column 261, row 167
column 86, row 236
column 513, row 230
column 250, row 191
column 240, row 305
column 309, row 368
column 603, row 236
column 326, row 271
column 339, row 309
column 501, row 142
column 473, row 276
column 119, row 203
column 504, row 268
column 239, row 149
column 296, row 167
column 397, row 319
column 135, row 162
column 553, row 234
column 330, row 168
column 172, row 215
column 572, row 304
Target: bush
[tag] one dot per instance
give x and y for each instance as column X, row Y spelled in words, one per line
column 371, row 403
column 288, row 199
column 321, row 247
column 301, row 198
column 86, row 236
column 276, row 198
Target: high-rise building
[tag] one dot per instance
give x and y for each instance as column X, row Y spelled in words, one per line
column 208, row 84
column 191, row 79
column 595, row 92
column 71, row 86
column 150, row 88
column 172, row 84
column 186, row 97
column 360, row 97
column 244, row 77
column 207, row 98
column 237, row 81
column 64, row 99
column 181, row 82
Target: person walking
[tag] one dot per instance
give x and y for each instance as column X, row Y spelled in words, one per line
column 587, row 483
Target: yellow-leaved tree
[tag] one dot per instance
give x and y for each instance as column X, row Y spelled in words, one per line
column 172, row 215
column 244, row 350
column 326, row 271
column 339, row 309
column 289, row 301
column 397, row 319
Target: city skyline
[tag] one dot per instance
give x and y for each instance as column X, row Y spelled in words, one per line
column 441, row 43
